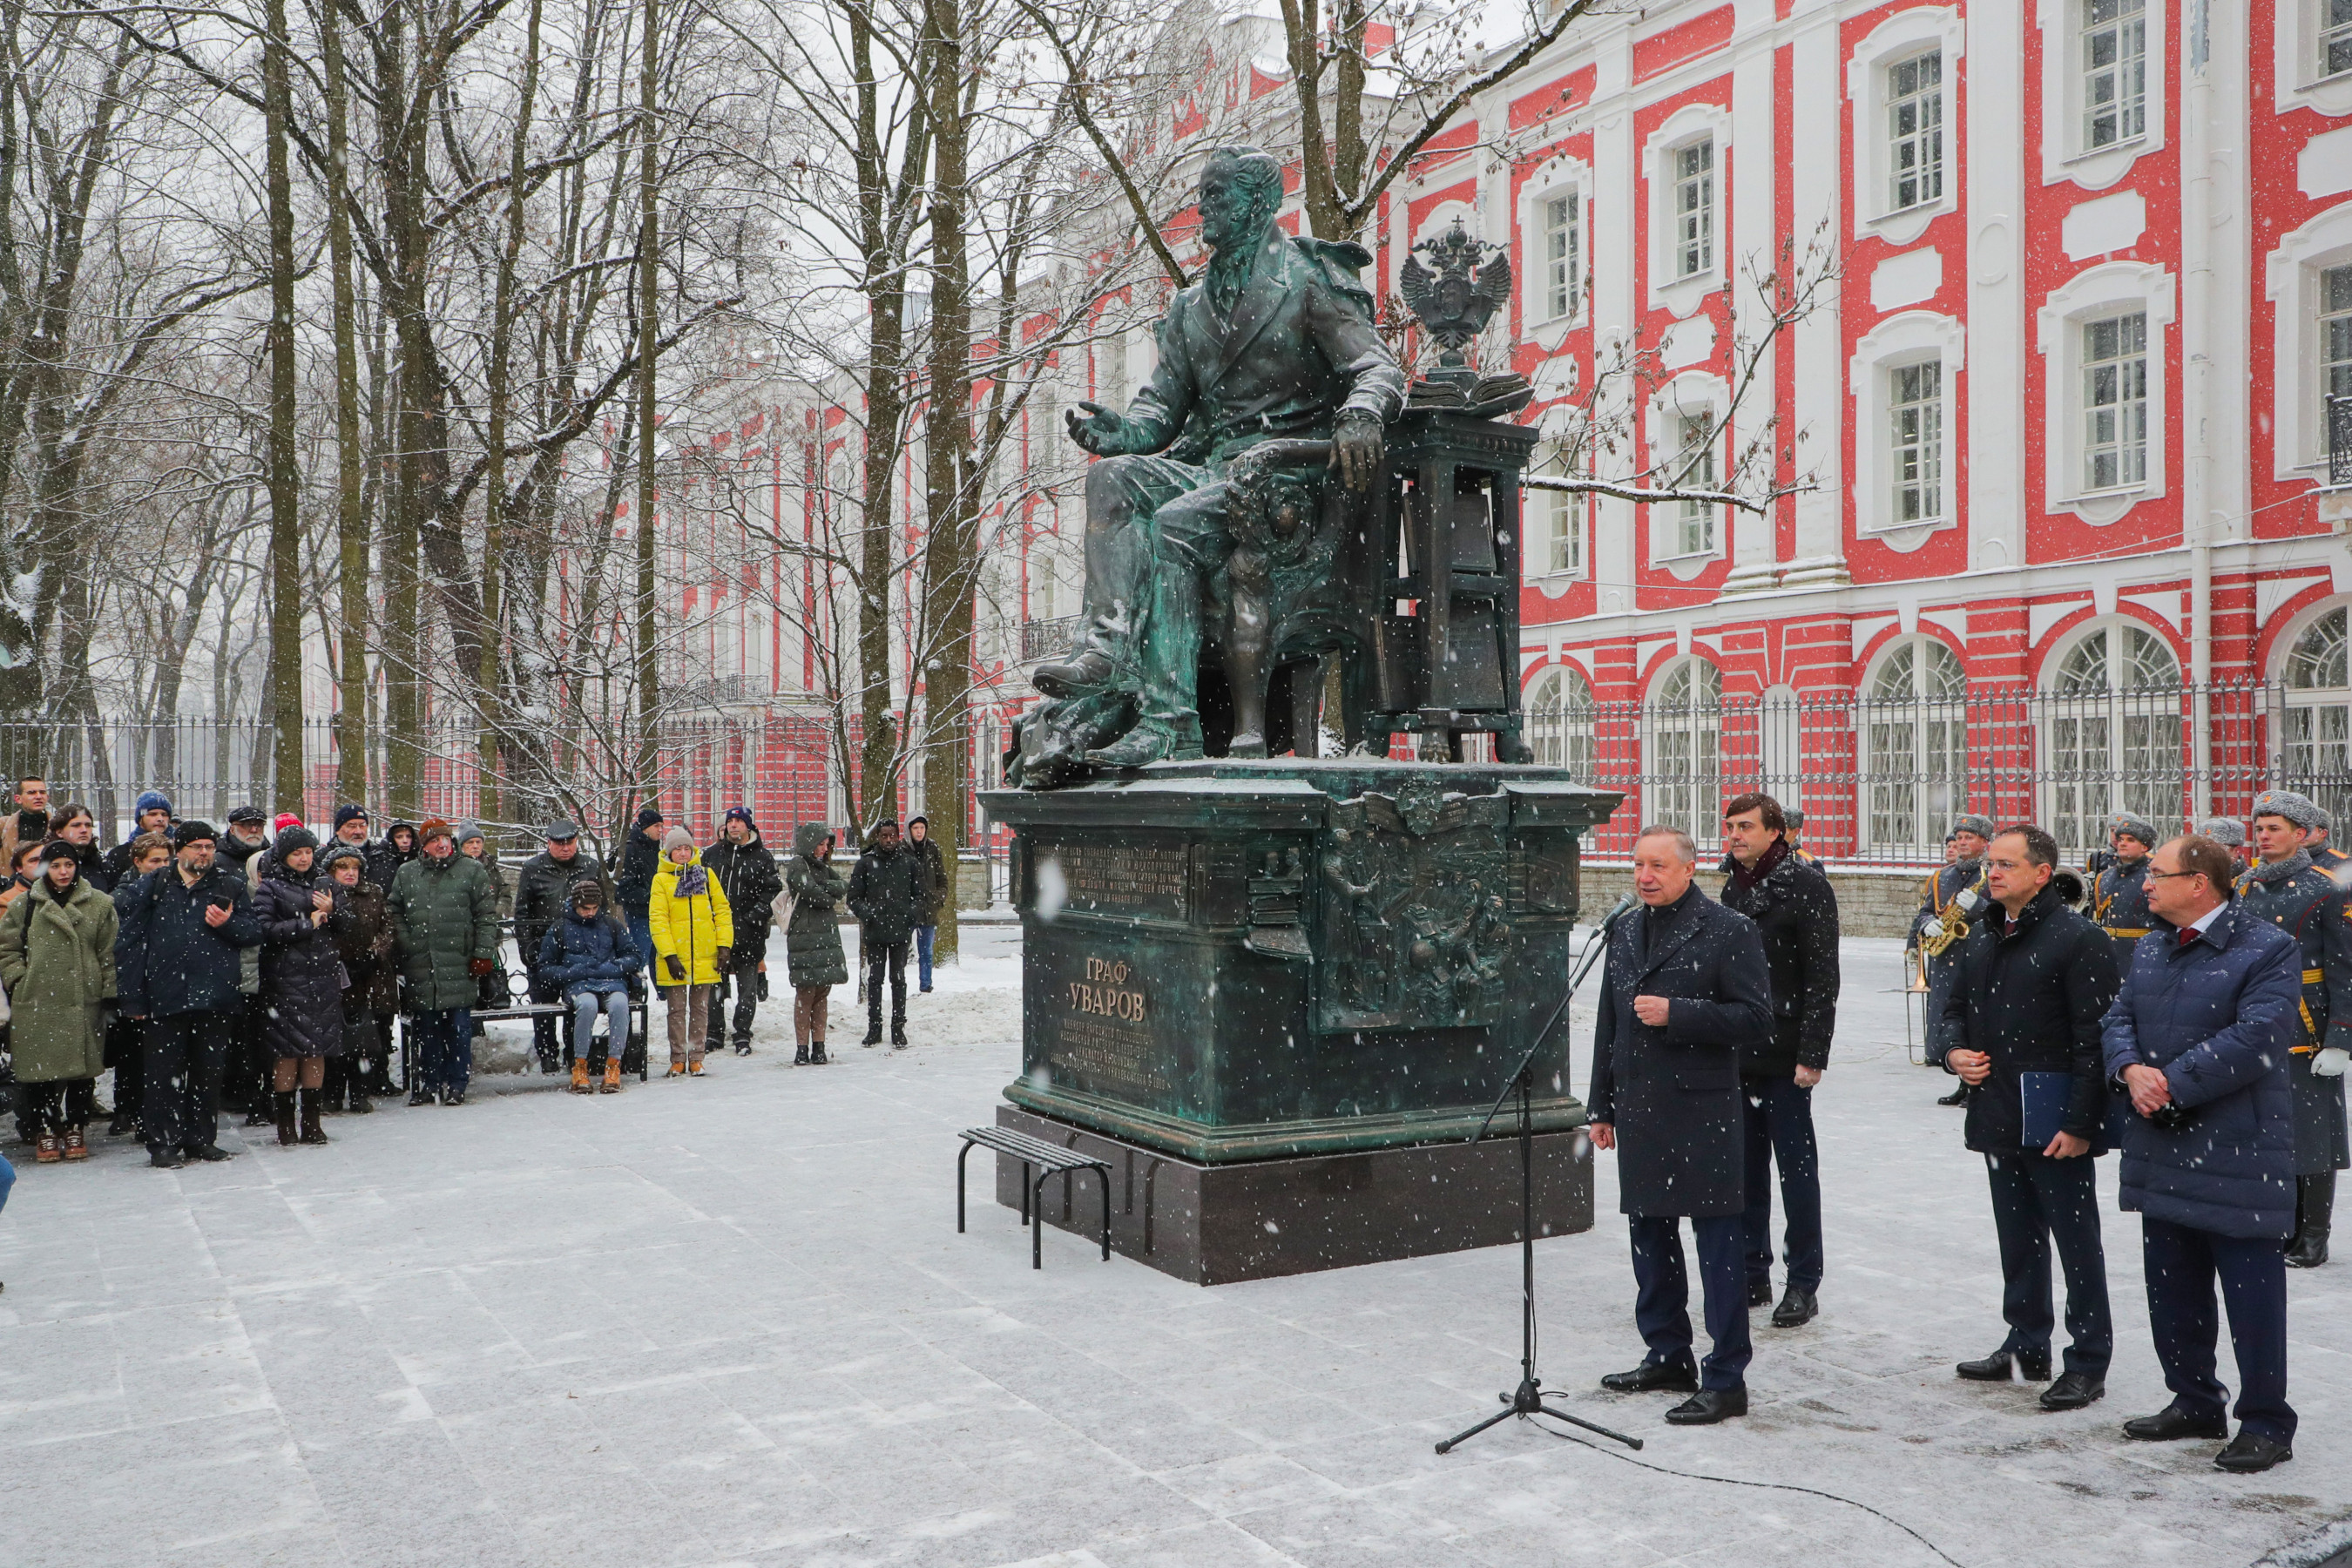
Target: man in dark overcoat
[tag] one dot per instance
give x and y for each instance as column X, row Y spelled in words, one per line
column 2119, row 893
column 1685, row 991
column 1796, row 915
column 2287, row 888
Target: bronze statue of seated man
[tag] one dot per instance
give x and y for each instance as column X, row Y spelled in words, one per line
column 1275, row 342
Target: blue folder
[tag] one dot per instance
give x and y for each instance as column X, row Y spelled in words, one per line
column 2045, row 1096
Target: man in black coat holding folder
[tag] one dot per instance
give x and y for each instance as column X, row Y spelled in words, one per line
column 2020, row 1024
column 1685, row 991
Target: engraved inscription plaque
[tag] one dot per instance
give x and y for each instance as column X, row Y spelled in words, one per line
column 1100, row 1038
column 1147, row 877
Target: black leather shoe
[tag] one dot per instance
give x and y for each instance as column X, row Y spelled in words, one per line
column 1957, row 1097
column 1995, row 1368
column 420, row 1096
column 453, row 1097
column 1653, row 1378
column 211, row 1153
column 2073, row 1390
column 1082, row 671
column 2250, row 1451
column 2173, row 1423
column 1759, row 1291
column 1709, row 1405
column 1797, row 1308
column 166, row 1158
column 2308, row 1251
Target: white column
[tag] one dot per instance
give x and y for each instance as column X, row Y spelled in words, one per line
column 1816, row 153
column 1616, row 216
column 1755, row 235
column 1996, row 158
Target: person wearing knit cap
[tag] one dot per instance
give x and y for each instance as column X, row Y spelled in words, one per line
column 2119, row 893
column 1953, row 895
column 634, row 882
column 2285, row 889
column 445, row 922
column 57, row 958
column 302, row 981
column 694, row 936
column 542, row 902
column 150, row 812
column 885, row 895
column 361, row 927
column 746, row 871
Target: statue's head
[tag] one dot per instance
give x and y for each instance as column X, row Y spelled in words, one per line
column 1241, row 191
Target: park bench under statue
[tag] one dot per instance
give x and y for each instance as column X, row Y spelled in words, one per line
column 1279, row 991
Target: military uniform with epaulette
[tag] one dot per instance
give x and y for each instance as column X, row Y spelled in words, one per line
column 2305, row 901
column 1939, row 902
column 2119, row 907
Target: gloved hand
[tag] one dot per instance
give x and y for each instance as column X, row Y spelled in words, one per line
column 479, row 967
column 726, row 956
column 2331, row 1062
column 676, row 970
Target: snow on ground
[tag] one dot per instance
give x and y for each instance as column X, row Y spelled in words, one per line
column 732, row 1321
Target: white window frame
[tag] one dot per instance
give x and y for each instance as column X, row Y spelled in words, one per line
column 2325, row 712
column 2120, row 711
column 2295, row 33
column 1906, row 338
column 1690, row 396
column 2112, row 288
column 1562, row 734
column 2298, row 436
column 1560, row 512
column 2109, row 422
column 1923, row 29
column 1561, row 177
column 1701, row 816
column 1936, row 796
column 2065, row 153
column 1692, row 124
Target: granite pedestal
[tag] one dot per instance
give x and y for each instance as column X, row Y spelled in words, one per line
column 1282, row 994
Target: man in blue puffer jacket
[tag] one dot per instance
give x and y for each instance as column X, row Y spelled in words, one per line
column 2200, row 1037
column 590, row 953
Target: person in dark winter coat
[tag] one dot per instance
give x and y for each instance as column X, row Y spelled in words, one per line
column 2199, row 1038
column 1685, row 990
column 938, row 892
column 1796, row 916
column 813, row 952
column 886, row 894
column 78, row 830
column 124, row 1053
column 27, row 825
column 245, row 1082
column 179, row 967
column 590, row 955
column 1947, row 899
column 387, row 854
column 149, row 815
column 2287, row 888
column 57, row 958
column 2119, row 893
column 445, row 923
column 2033, row 981
column 301, row 982
column 634, row 883
column 361, row 927
column 542, row 900
column 746, row 870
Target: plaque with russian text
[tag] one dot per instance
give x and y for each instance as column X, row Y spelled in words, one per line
column 1136, row 877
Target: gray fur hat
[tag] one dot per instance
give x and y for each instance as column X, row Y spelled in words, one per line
column 1979, row 825
column 2290, row 806
column 2224, row 830
column 2137, row 825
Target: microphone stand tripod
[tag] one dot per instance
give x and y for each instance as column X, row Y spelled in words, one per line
column 1528, row 1398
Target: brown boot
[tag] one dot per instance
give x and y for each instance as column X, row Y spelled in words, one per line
column 611, row 1074
column 311, row 1131
column 75, row 1148
column 579, row 1076
column 284, row 1103
column 45, row 1150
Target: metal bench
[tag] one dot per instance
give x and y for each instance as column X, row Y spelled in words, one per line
column 1047, row 1161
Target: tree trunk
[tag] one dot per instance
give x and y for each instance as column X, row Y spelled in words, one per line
column 285, row 482
column 404, row 292
column 647, row 625
column 351, row 493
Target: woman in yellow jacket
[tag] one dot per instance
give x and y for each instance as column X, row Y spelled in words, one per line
column 694, row 935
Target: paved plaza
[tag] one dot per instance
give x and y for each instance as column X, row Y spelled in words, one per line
column 732, row 1321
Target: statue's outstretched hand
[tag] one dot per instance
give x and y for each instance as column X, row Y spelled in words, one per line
column 1356, row 449
column 1100, row 430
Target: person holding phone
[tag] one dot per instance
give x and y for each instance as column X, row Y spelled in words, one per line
column 2020, row 1026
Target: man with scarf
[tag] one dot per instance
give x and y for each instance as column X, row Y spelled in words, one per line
column 1795, row 911
column 2285, row 889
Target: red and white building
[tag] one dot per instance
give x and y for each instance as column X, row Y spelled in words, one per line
column 2069, row 549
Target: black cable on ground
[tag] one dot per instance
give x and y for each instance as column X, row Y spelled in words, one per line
column 1761, row 1486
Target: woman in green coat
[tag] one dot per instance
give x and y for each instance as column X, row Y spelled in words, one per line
column 57, row 958
column 812, row 939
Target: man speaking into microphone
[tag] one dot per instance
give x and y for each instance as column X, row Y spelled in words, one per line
column 1684, row 990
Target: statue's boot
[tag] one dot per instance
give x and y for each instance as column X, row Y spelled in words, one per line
column 1089, row 669
column 1249, row 743
column 1149, row 741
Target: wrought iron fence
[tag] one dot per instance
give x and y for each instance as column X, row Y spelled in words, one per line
column 1880, row 781
column 2339, row 441
column 1044, row 639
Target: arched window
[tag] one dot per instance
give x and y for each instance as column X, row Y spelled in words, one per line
column 1916, row 725
column 2315, row 727
column 1685, row 726
column 1559, row 719
column 2115, row 734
